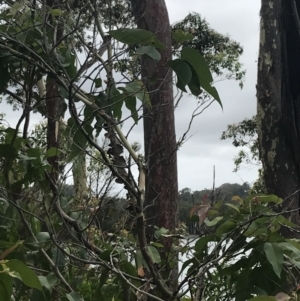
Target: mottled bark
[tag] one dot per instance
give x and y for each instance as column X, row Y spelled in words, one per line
column 159, row 126
column 278, row 102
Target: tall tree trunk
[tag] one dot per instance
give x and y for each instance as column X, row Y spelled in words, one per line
column 278, row 102
column 159, row 132
column 53, row 99
column 159, row 124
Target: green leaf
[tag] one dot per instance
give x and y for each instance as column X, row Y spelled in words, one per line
column 150, row 51
column 225, row 228
column 55, row 12
column 194, row 84
column 157, row 244
column 288, row 246
column 51, row 152
column 71, row 69
column 193, row 261
column 130, row 103
column 28, row 277
column 183, row 73
column 35, row 225
column 79, row 142
column 137, row 89
column 263, row 298
column 196, row 60
column 43, row 237
column 88, row 115
column 73, row 297
column 154, row 254
column 98, row 82
column 116, row 100
column 256, row 229
column 202, row 242
column 48, row 281
column 270, row 198
column 136, row 36
column 64, row 93
column 274, row 255
column 233, row 207
column 16, row 7
column 6, row 285
column 213, row 222
column 128, row 268
column 180, row 36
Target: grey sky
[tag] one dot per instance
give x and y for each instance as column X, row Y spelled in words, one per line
column 240, row 20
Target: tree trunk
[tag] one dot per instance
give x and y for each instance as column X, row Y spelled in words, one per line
column 278, row 102
column 159, row 133
column 53, row 99
column 159, row 124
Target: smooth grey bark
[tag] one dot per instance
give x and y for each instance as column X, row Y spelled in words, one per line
column 278, row 102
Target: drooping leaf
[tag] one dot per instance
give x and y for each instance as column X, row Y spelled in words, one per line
column 116, row 100
column 183, row 73
column 6, row 286
column 128, row 268
column 154, row 254
column 27, row 276
column 137, row 89
column 289, row 247
column 48, row 281
column 196, row 60
column 193, row 261
column 274, row 255
column 233, row 207
column 88, row 115
column 149, row 50
column 79, row 141
column 226, row 227
column 136, row 36
column 130, row 103
column 202, row 242
column 194, row 84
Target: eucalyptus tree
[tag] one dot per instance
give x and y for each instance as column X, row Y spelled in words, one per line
column 278, row 102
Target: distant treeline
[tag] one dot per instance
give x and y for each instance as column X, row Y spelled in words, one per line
column 188, row 199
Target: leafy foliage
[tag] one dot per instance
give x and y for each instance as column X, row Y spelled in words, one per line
column 244, row 135
column 62, row 242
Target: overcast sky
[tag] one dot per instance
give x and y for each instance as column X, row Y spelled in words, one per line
column 240, row 20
